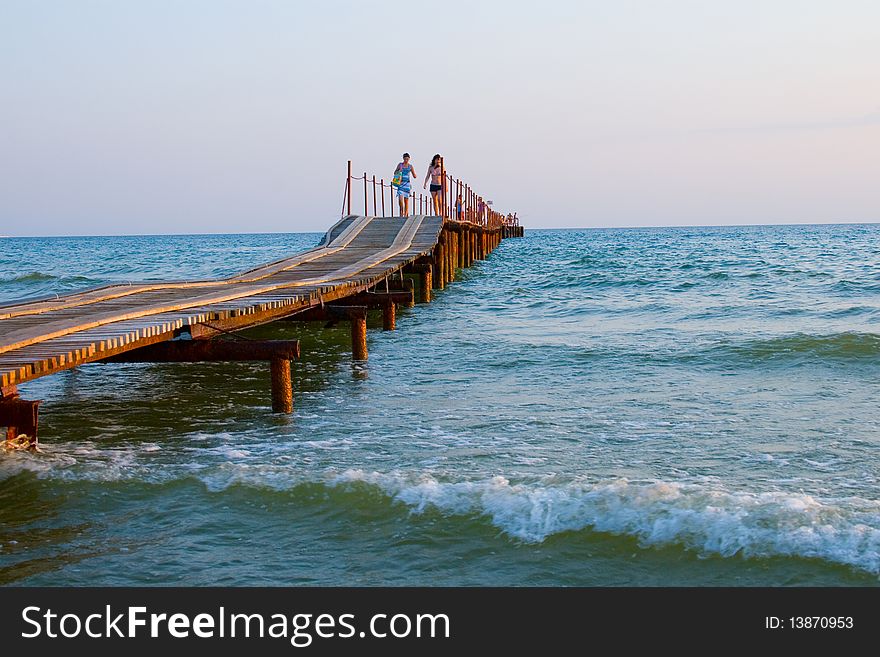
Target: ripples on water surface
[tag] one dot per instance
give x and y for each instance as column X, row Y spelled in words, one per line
column 640, row 406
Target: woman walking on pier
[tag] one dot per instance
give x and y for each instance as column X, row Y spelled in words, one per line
column 402, row 179
column 434, row 173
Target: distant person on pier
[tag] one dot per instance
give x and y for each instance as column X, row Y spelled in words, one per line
column 434, row 173
column 402, row 180
column 481, row 211
column 459, row 208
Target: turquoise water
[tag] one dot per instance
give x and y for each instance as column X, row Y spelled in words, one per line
column 633, row 406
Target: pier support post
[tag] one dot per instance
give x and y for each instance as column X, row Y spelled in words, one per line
column 282, row 388
column 461, row 250
column 453, row 255
column 447, row 265
column 20, row 418
column 279, row 353
column 424, row 272
column 438, row 273
column 410, row 287
column 388, row 316
column 358, row 335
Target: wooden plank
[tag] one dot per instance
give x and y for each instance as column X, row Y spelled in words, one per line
column 117, row 323
column 24, row 337
column 116, row 291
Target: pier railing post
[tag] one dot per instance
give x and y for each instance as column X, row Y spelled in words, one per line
column 442, row 188
column 348, row 188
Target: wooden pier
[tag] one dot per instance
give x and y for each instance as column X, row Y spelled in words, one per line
column 363, row 262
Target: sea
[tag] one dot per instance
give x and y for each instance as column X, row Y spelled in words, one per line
column 597, row 407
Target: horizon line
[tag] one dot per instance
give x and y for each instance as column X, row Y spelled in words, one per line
column 624, row 227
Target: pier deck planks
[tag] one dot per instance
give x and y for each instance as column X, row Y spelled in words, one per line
column 44, row 336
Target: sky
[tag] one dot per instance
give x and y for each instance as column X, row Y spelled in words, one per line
column 218, row 116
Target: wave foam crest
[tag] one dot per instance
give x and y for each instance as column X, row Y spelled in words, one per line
column 711, row 521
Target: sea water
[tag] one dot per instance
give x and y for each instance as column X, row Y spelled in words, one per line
column 657, row 406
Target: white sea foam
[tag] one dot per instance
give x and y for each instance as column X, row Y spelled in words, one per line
column 709, row 520
column 701, row 515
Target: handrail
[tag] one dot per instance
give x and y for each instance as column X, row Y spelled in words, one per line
column 459, row 201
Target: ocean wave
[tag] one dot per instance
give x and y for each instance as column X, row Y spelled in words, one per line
column 834, row 346
column 590, row 281
column 34, row 284
column 660, row 513
column 705, row 518
column 31, row 277
column 700, row 518
column 851, row 311
column 861, row 287
column 706, row 351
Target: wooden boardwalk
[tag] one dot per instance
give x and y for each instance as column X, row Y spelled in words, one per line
column 360, row 263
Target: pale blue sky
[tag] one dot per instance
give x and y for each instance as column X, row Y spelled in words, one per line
column 238, row 116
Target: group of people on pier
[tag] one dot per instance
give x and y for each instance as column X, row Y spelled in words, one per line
column 405, row 173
